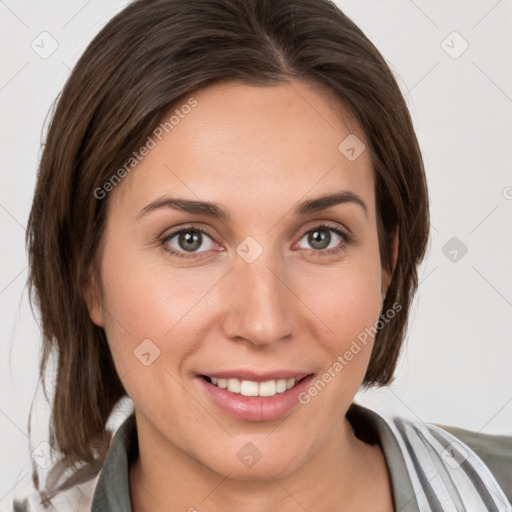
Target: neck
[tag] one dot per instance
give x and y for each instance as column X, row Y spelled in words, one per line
column 164, row 477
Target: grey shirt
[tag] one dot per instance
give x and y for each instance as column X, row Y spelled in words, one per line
column 112, row 490
column 431, row 468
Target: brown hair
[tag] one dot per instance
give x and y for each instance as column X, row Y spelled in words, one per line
column 142, row 62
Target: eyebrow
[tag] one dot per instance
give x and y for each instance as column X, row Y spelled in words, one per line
column 217, row 211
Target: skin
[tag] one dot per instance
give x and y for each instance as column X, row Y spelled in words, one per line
column 257, row 151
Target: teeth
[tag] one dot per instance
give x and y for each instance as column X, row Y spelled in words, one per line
column 251, row 388
column 233, row 385
column 248, row 388
column 281, row 385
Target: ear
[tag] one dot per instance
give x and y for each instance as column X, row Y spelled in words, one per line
column 386, row 275
column 93, row 300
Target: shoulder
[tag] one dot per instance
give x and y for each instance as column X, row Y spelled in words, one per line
column 77, row 498
column 75, row 490
column 494, row 450
column 463, row 466
column 439, row 467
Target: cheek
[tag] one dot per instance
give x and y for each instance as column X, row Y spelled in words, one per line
column 347, row 298
column 146, row 298
column 348, row 307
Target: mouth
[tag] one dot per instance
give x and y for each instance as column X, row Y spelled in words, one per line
column 267, row 388
column 262, row 399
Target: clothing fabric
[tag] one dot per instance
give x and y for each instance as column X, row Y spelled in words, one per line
column 432, row 468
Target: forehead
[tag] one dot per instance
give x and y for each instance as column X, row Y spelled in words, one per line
column 244, row 144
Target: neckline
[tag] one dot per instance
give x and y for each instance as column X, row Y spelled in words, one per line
column 112, row 492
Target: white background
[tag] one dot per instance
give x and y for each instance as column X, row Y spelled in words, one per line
column 456, row 368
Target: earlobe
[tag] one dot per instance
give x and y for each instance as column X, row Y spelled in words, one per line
column 386, row 275
column 92, row 297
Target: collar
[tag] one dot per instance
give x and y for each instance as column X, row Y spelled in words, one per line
column 112, row 492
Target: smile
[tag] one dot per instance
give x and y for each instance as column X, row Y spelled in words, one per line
column 255, row 400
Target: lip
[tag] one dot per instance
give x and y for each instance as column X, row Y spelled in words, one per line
column 254, row 408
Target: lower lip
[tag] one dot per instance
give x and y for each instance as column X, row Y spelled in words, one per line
column 256, row 408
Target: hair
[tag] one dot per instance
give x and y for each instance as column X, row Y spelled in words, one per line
column 141, row 64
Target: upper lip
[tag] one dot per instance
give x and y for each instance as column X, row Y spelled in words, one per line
column 257, row 376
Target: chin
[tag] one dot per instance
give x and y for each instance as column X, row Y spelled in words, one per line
column 250, row 463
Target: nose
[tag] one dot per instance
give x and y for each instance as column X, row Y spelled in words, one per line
column 259, row 304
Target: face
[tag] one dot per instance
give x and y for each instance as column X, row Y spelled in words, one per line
column 265, row 292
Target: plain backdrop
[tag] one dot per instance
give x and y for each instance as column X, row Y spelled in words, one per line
column 452, row 61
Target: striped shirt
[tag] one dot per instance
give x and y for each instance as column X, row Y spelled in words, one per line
column 431, row 468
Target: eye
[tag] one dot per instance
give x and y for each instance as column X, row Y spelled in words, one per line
column 187, row 240
column 321, row 239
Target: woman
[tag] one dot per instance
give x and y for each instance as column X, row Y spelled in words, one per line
column 230, row 210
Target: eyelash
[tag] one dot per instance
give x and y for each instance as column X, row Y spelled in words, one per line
column 346, row 240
